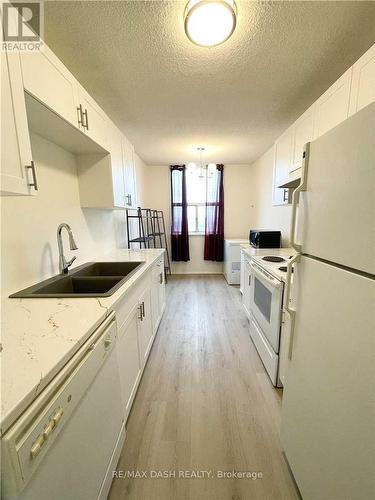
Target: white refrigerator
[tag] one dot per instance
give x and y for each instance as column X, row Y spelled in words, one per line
column 328, row 409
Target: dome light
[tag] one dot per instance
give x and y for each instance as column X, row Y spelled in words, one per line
column 210, row 22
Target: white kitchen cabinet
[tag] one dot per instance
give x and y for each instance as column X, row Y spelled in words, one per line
column 303, row 133
column 282, row 165
column 146, row 335
column 363, row 82
column 18, row 175
column 157, row 293
column 332, row 107
column 128, row 358
column 47, row 79
column 129, row 173
column 108, row 181
column 92, row 119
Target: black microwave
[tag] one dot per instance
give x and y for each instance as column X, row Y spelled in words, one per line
column 259, row 238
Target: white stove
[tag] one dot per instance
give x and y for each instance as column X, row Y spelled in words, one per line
column 274, row 264
column 264, row 299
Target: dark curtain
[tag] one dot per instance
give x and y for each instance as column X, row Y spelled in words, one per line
column 179, row 229
column 214, row 232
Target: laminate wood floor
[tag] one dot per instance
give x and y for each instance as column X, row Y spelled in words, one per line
column 205, row 403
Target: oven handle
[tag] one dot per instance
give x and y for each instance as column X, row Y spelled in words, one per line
column 271, row 281
column 295, row 199
column 288, row 309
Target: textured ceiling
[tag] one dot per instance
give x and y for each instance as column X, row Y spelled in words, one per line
column 170, row 96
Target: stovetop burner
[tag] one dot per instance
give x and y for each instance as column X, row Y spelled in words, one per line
column 284, row 269
column 273, row 258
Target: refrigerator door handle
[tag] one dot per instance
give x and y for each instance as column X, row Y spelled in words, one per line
column 295, row 199
column 288, row 309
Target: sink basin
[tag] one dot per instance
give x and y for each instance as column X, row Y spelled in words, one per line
column 78, row 286
column 107, row 269
column 95, row 279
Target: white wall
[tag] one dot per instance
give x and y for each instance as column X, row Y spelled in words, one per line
column 266, row 216
column 29, row 246
column 238, row 188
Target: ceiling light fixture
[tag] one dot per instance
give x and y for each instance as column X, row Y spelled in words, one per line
column 210, row 22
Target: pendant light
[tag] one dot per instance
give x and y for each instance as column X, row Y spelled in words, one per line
column 210, row 22
column 201, row 174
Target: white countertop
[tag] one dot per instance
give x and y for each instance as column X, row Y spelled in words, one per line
column 39, row 336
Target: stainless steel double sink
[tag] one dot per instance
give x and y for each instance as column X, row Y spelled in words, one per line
column 94, row 279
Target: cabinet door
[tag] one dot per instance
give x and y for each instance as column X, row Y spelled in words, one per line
column 161, row 290
column 129, row 173
column 128, row 358
column 303, row 133
column 363, row 82
column 47, row 79
column 118, row 179
column 145, row 326
column 94, row 121
column 282, row 165
column 332, row 107
column 15, row 140
column 155, row 299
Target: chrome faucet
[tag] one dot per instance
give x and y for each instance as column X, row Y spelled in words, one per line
column 63, row 263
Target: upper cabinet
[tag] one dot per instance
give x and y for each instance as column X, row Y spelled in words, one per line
column 283, row 161
column 18, row 174
column 354, row 90
column 363, row 82
column 303, row 133
column 92, row 119
column 332, row 107
column 128, row 158
column 41, row 94
column 49, row 81
column 108, row 181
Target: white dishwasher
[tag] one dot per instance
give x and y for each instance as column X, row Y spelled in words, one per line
column 66, row 443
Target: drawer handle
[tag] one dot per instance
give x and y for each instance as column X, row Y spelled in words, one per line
column 140, row 312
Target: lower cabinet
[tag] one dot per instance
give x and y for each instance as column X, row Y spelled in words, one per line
column 157, row 293
column 128, row 358
column 146, row 334
column 136, row 329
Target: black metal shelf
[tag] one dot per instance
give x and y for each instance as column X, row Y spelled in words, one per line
column 150, row 229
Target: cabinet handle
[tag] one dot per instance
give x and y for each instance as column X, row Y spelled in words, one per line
column 33, row 184
column 249, row 279
column 143, row 309
column 140, row 312
column 161, row 278
column 127, row 199
column 86, row 119
column 286, row 195
column 80, row 115
column 130, row 199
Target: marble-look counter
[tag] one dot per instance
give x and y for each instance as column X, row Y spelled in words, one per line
column 39, row 336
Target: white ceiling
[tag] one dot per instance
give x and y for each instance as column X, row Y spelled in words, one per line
column 170, row 96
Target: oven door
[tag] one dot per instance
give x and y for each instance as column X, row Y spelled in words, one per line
column 266, row 295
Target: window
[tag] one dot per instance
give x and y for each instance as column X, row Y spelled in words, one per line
column 196, row 199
